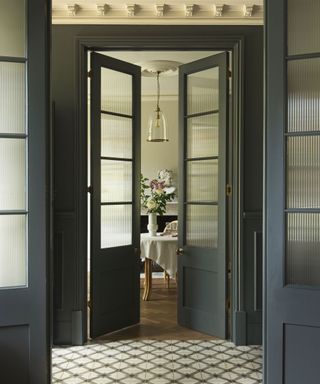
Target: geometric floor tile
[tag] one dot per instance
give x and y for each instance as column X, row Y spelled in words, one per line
column 158, row 362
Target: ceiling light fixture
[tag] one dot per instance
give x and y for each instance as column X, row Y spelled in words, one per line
column 157, row 126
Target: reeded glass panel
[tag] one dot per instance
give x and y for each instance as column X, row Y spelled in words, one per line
column 116, row 136
column 13, row 97
column 202, row 180
column 203, row 91
column 116, row 91
column 203, row 136
column 303, row 249
column 304, row 95
column 303, row 172
column 116, row 181
column 202, row 226
column 13, row 254
column 303, row 26
column 12, row 28
column 116, row 223
column 12, row 174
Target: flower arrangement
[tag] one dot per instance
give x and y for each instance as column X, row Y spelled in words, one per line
column 155, row 195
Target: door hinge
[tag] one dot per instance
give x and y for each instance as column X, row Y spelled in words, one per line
column 90, row 189
column 90, row 74
column 229, row 73
column 228, row 190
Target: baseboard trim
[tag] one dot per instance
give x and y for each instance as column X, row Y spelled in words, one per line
column 240, row 328
column 77, row 335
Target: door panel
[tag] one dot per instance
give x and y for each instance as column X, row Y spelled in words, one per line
column 115, row 170
column 202, row 205
column 292, row 209
column 24, row 185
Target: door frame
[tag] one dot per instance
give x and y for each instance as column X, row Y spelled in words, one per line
column 234, row 44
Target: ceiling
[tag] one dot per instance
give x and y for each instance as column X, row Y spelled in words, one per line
column 169, row 84
column 233, row 12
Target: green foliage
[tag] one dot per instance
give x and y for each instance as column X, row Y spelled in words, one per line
column 153, row 195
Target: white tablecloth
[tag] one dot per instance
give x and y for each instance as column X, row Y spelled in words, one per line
column 162, row 250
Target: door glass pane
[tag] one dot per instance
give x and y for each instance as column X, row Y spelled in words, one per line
column 203, row 91
column 116, row 225
column 116, row 181
column 303, row 172
column 203, row 136
column 116, row 92
column 116, row 136
column 13, row 255
column 303, row 249
column 303, row 26
column 12, row 28
column 304, row 95
column 202, row 226
column 12, row 174
column 202, row 180
column 13, row 97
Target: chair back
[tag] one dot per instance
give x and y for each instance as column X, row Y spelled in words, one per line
column 171, row 228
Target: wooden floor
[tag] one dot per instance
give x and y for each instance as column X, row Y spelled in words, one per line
column 158, row 318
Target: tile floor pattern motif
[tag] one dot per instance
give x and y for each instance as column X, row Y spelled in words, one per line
column 158, row 362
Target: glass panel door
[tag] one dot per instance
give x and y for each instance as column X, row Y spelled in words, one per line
column 13, row 146
column 25, row 241
column 292, row 204
column 203, row 127
column 115, row 170
column 303, row 145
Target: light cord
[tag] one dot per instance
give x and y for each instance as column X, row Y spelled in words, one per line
column 158, row 90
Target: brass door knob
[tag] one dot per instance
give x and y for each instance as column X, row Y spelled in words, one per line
column 179, row 251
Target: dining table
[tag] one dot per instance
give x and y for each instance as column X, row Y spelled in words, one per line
column 162, row 250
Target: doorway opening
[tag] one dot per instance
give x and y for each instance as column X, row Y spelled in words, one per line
column 149, row 351
column 158, row 158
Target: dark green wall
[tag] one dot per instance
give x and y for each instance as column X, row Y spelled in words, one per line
column 69, row 260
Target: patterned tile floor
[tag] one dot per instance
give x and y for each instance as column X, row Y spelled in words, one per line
column 158, row 362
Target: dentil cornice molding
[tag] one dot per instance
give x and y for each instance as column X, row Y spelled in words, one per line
column 233, row 12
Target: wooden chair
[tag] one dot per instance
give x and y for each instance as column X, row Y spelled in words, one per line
column 171, row 228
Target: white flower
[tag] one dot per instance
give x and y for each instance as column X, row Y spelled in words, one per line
column 159, row 191
column 151, row 204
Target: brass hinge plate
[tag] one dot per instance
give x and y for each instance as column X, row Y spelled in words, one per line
column 90, row 189
column 228, row 190
column 90, row 74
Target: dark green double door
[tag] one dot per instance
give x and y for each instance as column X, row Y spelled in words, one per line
column 115, row 135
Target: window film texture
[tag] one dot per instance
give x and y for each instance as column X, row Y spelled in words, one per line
column 12, row 97
column 303, row 249
column 303, row 172
column 116, row 225
column 116, row 92
column 12, row 28
column 203, row 91
column 303, row 26
column 203, row 136
column 116, row 136
column 116, row 181
column 304, row 95
column 202, row 181
column 202, row 226
column 12, row 174
column 13, row 255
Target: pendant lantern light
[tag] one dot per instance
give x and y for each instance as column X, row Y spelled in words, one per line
column 157, row 125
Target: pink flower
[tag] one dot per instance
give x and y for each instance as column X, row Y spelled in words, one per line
column 156, row 184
